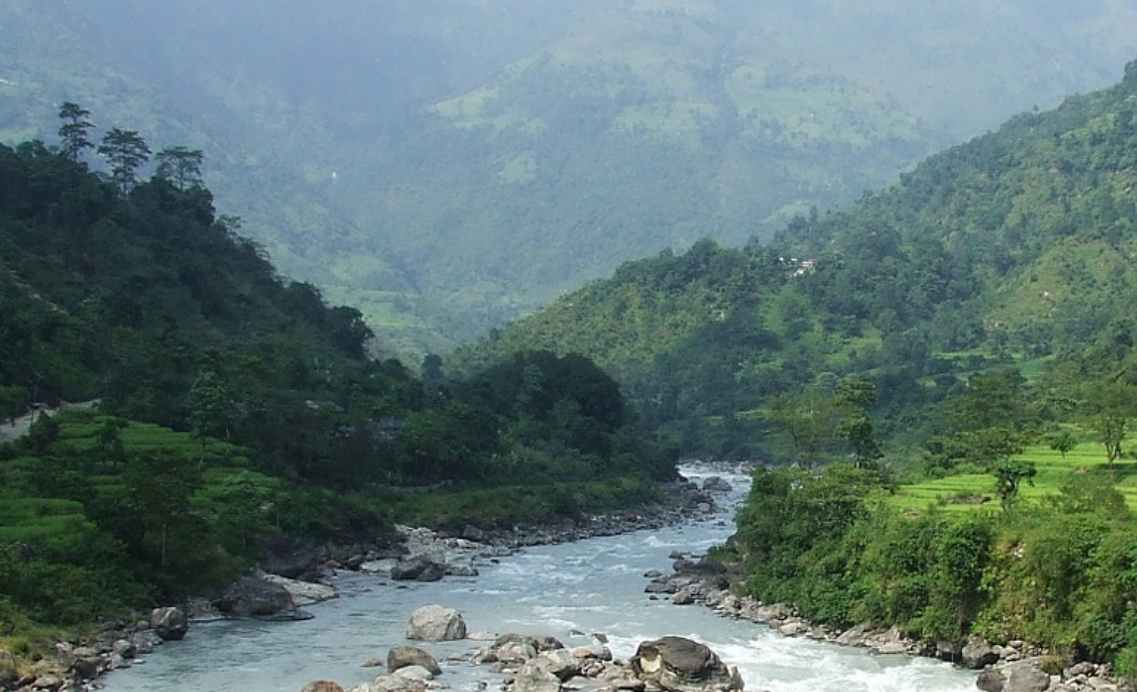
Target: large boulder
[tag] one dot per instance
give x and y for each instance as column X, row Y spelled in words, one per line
column 418, row 569
column 404, row 656
column 977, row 653
column 171, row 624
column 683, row 665
column 1023, row 676
column 322, row 686
column 257, row 598
column 433, row 623
column 303, row 592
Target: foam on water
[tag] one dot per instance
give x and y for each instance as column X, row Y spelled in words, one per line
column 591, row 586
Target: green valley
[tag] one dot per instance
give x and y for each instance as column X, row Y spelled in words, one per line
column 447, row 166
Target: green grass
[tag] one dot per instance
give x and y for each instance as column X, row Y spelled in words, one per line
column 961, row 493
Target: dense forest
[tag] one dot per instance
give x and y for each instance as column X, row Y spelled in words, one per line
column 942, row 380
column 1013, row 251
column 446, row 165
column 235, row 409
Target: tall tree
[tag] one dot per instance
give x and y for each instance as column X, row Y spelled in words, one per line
column 181, row 166
column 74, row 130
column 125, row 151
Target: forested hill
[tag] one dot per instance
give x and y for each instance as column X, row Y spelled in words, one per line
column 446, row 165
column 1015, row 249
column 237, row 413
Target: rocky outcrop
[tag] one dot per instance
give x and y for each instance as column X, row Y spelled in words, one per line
column 322, row 686
column 418, row 569
column 170, row 624
column 404, row 656
column 257, row 598
column 434, row 623
column 682, row 665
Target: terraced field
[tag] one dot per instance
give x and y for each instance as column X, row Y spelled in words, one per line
column 976, row 492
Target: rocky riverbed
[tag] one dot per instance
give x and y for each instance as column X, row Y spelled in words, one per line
column 419, row 555
column 568, row 590
column 541, row 663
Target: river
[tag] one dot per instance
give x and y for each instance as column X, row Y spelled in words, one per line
column 590, row 586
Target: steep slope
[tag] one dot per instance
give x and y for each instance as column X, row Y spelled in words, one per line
column 1015, row 249
column 448, row 165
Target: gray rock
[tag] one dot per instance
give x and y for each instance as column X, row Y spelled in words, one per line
column 415, row 673
column 991, row 681
column 404, row 656
column 685, row 596
column 393, row 683
column 145, row 641
column 124, row 648
column 257, row 598
column 560, row 662
column 1023, row 676
column 682, row 665
column 417, row 569
column 436, row 624
column 536, row 681
column 303, row 592
column 170, row 624
column 977, row 653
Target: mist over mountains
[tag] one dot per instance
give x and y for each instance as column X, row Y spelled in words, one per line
column 449, row 165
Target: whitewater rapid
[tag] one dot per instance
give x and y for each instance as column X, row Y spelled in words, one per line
column 594, row 585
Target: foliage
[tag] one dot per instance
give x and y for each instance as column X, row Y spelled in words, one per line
column 238, row 409
column 1009, row 475
column 433, row 143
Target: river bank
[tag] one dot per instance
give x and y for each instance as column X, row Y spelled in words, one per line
column 1015, row 667
column 567, row 590
column 292, row 579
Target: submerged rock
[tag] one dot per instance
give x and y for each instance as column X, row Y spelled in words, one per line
column 405, row 656
column 436, row 624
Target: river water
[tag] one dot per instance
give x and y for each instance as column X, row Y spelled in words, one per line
column 590, row 586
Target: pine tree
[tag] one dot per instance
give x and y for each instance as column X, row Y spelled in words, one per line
column 181, row 166
column 74, row 130
column 125, row 151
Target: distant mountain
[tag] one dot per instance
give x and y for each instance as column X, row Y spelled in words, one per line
column 448, row 165
column 1014, row 250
